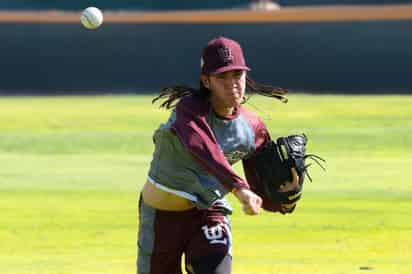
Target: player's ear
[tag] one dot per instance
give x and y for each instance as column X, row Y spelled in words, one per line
column 205, row 80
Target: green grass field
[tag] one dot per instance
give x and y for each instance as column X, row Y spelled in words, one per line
column 71, row 169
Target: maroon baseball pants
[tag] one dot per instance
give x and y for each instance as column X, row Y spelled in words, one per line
column 203, row 236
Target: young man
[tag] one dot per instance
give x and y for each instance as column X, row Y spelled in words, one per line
column 182, row 209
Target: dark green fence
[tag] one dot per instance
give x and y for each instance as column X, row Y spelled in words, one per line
column 355, row 57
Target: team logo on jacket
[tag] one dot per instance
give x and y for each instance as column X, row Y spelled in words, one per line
column 235, row 156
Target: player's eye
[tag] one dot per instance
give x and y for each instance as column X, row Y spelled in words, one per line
column 238, row 73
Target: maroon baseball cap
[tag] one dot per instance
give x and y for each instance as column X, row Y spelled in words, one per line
column 222, row 54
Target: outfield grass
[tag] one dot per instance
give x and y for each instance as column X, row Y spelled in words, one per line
column 71, row 169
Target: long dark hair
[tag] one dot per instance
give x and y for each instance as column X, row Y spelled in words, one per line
column 172, row 95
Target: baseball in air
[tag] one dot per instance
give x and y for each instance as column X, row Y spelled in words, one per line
column 91, row 18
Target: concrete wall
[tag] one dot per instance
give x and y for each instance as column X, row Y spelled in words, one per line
column 349, row 57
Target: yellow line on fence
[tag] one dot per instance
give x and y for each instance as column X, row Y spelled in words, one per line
column 287, row 14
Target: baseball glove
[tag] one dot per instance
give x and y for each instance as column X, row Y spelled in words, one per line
column 274, row 164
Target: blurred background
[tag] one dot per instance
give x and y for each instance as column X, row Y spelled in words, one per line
column 320, row 46
column 174, row 5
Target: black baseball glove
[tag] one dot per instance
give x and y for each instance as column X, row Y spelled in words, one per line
column 274, row 164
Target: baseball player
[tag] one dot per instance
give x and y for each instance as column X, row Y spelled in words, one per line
column 182, row 208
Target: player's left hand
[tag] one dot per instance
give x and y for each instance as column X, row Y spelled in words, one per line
column 281, row 168
column 293, row 190
column 290, row 185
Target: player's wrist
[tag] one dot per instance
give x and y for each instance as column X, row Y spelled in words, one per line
column 237, row 191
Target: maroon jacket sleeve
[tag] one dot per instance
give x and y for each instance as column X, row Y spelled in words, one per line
column 262, row 136
column 194, row 133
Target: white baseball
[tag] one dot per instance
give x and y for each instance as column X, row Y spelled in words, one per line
column 91, row 18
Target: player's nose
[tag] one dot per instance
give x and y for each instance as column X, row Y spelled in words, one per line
column 231, row 82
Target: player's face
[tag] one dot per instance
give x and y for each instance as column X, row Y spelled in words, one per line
column 228, row 88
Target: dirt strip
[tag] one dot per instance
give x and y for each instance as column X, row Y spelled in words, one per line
column 288, row 14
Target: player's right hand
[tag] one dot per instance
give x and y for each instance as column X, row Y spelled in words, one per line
column 251, row 203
